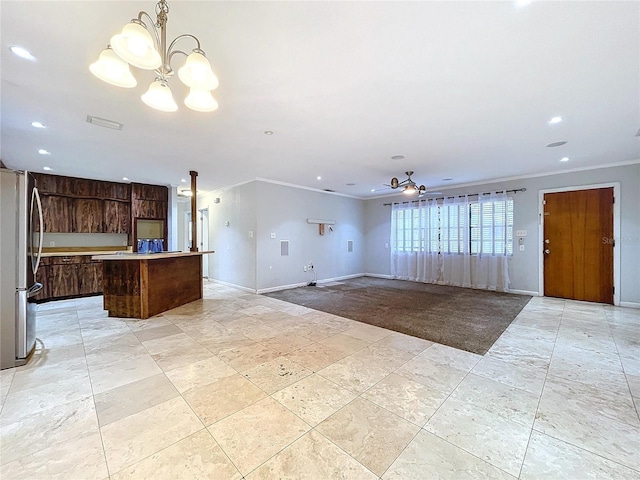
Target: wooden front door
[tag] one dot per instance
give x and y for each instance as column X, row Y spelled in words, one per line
column 578, row 245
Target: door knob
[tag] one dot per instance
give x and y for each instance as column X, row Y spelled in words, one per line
column 547, row 251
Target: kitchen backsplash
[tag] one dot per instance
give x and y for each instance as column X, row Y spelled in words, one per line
column 84, row 240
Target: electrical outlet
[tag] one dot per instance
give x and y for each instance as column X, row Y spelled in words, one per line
column 273, row 235
column 52, row 244
column 304, row 269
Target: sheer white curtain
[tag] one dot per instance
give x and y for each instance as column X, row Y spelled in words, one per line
column 462, row 242
column 414, row 241
column 492, row 230
column 479, row 234
column 456, row 256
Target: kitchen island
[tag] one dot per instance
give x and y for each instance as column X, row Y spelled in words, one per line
column 142, row 285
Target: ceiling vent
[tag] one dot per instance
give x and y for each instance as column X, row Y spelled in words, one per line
column 556, row 144
column 103, row 122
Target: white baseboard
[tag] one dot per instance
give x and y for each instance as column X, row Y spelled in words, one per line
column 296, row 285
column 524, row 292
column 280, row 287
column 227, row 284
column 630, row 304
column 379, row 275
column 344, row 277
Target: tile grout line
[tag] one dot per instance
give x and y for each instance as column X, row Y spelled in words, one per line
column 524, row 457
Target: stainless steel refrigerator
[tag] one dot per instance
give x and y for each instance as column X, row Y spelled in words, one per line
column 20, row 252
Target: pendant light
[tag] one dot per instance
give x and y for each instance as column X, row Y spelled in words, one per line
column 159, row 96
column 201, row 100
column 112, row 69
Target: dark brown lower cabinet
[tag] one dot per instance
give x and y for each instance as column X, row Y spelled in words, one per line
column 90, row 278
column 63, row 280
column 69, row 276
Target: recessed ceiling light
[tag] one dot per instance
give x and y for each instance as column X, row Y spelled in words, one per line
column 125, row 178
column 555, row 120
column 557, row 144
column 373, row 189
column 182, row 180
column 318, row 178
column 22, row 53
column 42, row 151
column 37, row 125
column 268, row 132
column 398, row 157
column 46, row 168
column 564, row 159
column 523, row 3
column 448, row 179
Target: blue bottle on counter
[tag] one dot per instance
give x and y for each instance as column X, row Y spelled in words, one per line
column 144, row 245
column 158, row 245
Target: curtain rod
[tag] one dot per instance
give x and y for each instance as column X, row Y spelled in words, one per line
column 459, row 196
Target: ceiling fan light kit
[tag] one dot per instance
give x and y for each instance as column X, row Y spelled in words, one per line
column 135, row 45
column 409, row 186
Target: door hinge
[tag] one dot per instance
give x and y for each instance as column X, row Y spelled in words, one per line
column 613, row 244
column 614, row 290
column 614, row 199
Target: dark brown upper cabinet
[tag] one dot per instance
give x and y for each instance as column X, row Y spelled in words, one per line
column 88, row 216
column 117, row 217
column 56, row 214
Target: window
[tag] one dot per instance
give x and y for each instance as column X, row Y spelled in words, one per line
column 484, row 227
column 491, row 227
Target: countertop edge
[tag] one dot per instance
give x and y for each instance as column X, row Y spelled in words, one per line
column 147, row 256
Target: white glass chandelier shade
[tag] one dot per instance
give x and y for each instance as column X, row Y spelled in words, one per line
column 112, row 69
column 197, row 72
column 135, row 45
column 159, row 97
column 201, row 100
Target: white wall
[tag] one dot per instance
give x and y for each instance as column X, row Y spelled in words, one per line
column 284, row 210
column 523, row 269
column 234, row 260
column 262, row 208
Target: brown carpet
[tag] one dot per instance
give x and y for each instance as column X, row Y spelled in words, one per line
column 463, row 318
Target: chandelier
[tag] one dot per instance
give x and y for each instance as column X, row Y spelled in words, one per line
column 136, row 46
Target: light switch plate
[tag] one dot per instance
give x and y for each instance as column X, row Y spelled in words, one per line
column 521, row 233
column 273, row 235
column 522, row 248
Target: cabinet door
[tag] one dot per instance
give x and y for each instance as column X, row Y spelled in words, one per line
column 87, row 216
column 151, row 209
column 83, row 187
column 117, row 216
column 90, row 278
column 56, row 213
column 63, row 280
column 53, row 183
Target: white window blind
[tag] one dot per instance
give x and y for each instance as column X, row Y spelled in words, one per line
column 482, row 227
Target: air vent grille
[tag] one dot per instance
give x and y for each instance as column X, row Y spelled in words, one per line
column 103, row 122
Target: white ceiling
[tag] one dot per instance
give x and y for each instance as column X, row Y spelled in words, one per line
column 462, row 89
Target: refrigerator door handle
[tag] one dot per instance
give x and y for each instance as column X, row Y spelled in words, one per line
column 35, row 198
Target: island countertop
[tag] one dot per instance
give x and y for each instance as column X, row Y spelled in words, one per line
column 147, row 256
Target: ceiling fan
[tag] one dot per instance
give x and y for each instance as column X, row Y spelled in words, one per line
column 409, row 187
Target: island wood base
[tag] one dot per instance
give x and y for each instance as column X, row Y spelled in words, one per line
column 140, row 286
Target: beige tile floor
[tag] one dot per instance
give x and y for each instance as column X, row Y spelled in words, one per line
column 243, row 386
